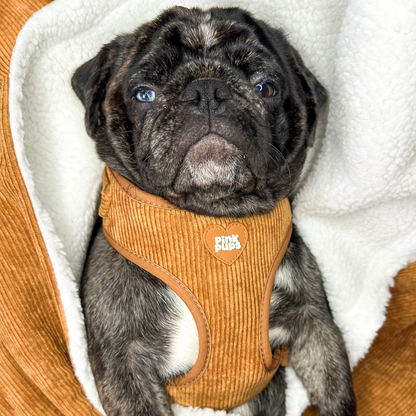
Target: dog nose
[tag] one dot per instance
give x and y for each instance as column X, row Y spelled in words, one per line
column 207, row 94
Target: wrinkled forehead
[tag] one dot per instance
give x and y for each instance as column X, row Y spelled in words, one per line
column 205, row 37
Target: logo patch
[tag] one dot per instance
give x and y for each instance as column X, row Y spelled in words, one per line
column 226, row 244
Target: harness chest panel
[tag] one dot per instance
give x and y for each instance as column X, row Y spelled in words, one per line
column 223, row 269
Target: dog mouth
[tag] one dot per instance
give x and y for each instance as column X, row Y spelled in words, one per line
column 214, row 164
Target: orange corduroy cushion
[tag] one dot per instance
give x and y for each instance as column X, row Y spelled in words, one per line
column 36, row 374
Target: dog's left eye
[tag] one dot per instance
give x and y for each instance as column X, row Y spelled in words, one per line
column 146, row 95
column 265, row 90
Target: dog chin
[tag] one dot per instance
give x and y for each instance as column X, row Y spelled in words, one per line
column 215, row 167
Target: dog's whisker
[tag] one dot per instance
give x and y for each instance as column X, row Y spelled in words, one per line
column 279, row 153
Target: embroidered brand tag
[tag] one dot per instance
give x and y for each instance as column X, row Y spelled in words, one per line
column 226, row 244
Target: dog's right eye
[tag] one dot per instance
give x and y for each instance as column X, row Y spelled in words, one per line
column 146, row 95
column 265, row 90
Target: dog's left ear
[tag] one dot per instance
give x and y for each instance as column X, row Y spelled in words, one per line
column 315, row 95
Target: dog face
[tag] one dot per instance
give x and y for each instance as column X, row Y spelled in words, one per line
column 212, row 110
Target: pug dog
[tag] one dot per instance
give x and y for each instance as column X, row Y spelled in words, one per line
column 149, row 97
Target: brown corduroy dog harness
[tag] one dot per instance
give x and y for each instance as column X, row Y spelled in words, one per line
column 223, row 269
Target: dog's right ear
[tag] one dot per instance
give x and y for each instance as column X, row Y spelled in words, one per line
column 90, row 83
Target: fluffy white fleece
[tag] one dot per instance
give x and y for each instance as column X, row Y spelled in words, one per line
column 357, row 209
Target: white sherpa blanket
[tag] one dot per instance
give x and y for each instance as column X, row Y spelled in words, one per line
column 357, row 208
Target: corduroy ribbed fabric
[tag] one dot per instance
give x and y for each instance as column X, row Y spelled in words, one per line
column 36, row 373
column 228, row 298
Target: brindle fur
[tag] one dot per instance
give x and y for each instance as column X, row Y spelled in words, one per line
column 129, row 313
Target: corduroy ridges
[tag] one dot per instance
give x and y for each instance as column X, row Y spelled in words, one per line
column 229, row 302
